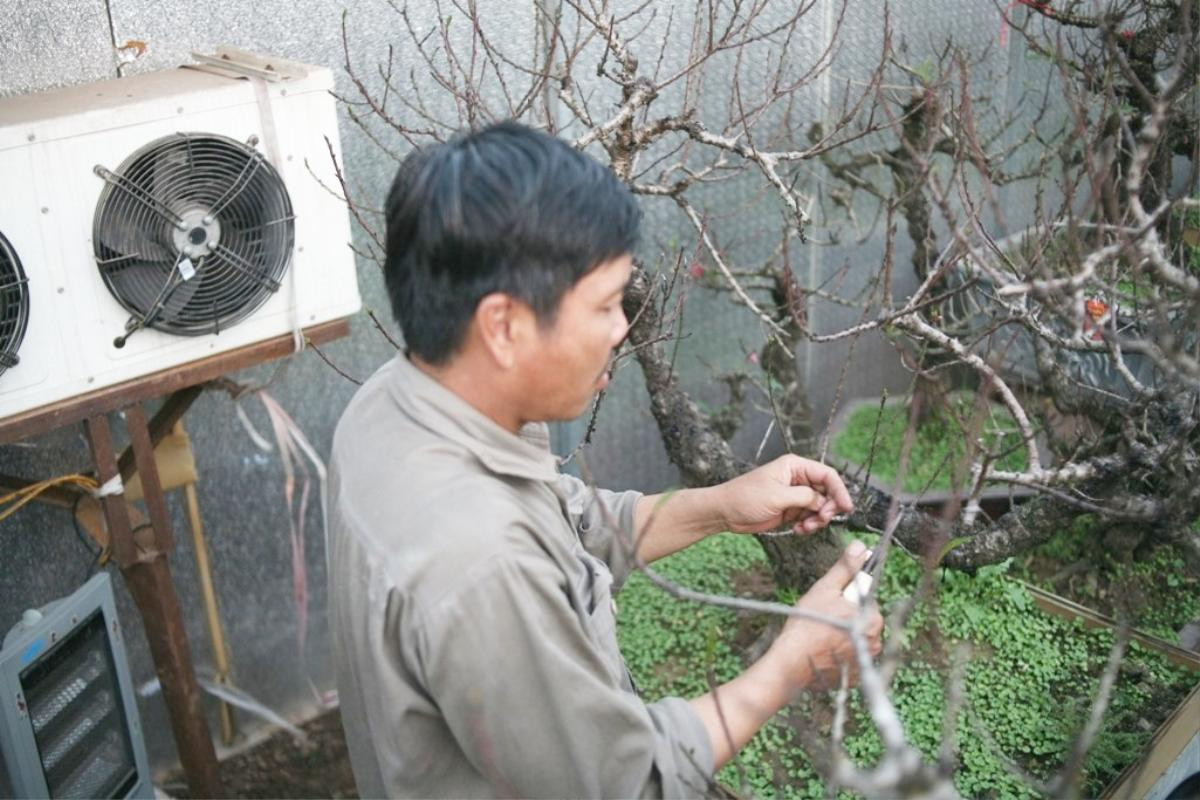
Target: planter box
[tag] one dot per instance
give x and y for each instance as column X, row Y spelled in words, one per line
column 1171, row 759
column 1173, row 754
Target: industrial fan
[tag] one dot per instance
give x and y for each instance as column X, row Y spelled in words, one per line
column 192, row 233
column 14, row 305
column 157, row 212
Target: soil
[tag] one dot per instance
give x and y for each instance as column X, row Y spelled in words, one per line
column 284, row 767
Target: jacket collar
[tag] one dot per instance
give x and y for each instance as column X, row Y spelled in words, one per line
column 436, row 408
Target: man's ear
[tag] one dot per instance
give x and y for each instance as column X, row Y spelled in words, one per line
column 503, row 324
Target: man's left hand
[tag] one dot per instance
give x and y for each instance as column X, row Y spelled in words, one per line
column 789, row 490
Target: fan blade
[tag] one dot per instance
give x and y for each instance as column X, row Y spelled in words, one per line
column 246, row 268
column 139, row 195
column 239, row 184
column 122, row 239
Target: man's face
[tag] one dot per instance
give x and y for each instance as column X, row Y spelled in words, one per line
column 571, row 360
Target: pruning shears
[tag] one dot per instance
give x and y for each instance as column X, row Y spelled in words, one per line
column 860, row 585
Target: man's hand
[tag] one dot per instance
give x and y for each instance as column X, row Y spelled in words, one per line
column 814, row 653
column 806, row 654
column 789, row 490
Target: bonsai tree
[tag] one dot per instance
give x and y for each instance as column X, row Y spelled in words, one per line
column 1104, row 273
column 1099, row 273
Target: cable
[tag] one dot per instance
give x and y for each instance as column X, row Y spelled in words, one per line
column 97, row 558
column 27, row 493
column 83, row 539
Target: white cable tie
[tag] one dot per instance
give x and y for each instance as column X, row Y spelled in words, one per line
column 113, row 485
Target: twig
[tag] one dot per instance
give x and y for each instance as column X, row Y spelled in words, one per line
column 309, row 343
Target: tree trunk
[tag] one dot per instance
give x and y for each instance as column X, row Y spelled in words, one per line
column 703, row 457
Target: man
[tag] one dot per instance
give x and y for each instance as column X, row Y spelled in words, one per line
column 471, row 583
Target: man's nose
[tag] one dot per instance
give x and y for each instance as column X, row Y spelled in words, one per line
column 621, row 328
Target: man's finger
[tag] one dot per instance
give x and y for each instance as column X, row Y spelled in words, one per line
column 846, row 567
column 809, row 524
column 824, row 478
column 876, row 626
column 829, row 510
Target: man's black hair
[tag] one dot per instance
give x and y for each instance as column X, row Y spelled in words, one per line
column 503, row 209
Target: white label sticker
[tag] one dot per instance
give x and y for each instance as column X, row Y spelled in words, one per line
column 186, row 269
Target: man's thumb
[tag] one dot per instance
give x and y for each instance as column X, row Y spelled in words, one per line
column 845, row 568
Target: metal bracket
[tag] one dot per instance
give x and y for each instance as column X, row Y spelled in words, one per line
column 235, row 63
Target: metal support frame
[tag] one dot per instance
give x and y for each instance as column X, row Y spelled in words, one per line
column 143, row 558
column 148, row 578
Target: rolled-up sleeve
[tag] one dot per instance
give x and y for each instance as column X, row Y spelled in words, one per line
column 593, row 513
column 521, row 680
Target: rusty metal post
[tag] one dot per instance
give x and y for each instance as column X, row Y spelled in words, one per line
column 148, row 579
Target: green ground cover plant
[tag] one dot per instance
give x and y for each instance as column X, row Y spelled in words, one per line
column 1151, row 585
column 939, row 452
column 1030, row 677
column 676, row 648
column 1030, row 680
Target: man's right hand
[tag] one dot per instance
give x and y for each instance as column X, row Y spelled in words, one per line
column 814, row 653
column 806, row 653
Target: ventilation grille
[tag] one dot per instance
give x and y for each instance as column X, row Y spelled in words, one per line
column 14, row 305
column 192, row 234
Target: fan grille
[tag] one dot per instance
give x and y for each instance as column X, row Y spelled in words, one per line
column 14, row 305
column 192, row 233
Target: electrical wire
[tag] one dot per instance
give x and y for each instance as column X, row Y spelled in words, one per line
column 97, row 558
column 93, row 556
column 23, row 495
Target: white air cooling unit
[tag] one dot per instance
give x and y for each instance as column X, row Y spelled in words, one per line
column 166, row 217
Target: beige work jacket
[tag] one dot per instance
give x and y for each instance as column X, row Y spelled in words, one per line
column 473, row 622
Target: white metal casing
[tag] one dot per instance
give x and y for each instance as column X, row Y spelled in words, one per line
column 49, row 144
